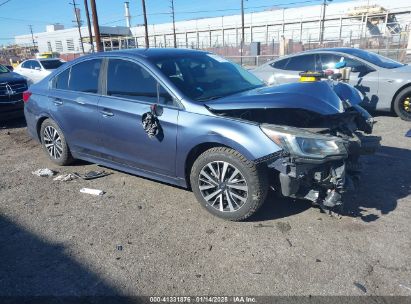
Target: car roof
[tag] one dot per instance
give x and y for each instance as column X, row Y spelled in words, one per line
column 150, row 52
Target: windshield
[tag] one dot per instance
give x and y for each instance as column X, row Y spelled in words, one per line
column 376, row 59
column 3, row 69
column 202, row 76
column 51, row 64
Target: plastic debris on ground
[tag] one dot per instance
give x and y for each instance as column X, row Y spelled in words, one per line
column 44, row 172
column 65, row 177
column 408, row 134
column 92, row 191
column 92, row 174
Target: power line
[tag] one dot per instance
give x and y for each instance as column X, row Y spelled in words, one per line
column 3, row 3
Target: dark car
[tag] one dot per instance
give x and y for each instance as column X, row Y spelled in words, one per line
column 12, row 86
column 193, row 119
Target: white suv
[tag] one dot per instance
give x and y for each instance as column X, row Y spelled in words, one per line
column 36, row 69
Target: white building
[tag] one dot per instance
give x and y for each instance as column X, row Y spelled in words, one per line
column 299, row 24
column 58, row 39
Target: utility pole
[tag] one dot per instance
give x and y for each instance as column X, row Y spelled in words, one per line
column 77, row 15
column 90, row 33
column 174, row 24
column 323, row 21
column 95, row 24
column 32, row 36
column 143, row 3
column 242, row 32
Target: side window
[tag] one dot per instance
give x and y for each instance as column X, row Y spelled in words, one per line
column 61, row 80
column 328, row 61
column 27, row 64
column 84, row 76
column 357, row 66
column 301, row 63
column 280, row 64
column 35, row 65
column 127, row 79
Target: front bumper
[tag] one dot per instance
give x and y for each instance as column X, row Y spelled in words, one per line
column 323, row 183
column 11, row 110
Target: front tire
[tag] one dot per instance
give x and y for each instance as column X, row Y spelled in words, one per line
column 54, row 143
column 402, row 104
column 227, row 184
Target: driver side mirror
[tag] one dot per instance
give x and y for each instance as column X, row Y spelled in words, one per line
column 37, row 68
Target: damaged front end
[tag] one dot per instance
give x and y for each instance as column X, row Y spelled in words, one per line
column 321, row 148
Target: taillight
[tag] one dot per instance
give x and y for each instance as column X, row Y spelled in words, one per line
column 26, row 96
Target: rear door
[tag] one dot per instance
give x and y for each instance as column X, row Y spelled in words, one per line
column 73, row 103
column 131, row 92
column 289, row 72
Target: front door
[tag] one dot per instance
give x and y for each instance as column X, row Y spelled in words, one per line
column 131, row 93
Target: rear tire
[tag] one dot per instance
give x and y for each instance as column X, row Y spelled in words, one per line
column 54, row 143
column 227, row 184
column 402, row 104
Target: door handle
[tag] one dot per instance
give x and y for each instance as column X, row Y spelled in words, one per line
column 58, row 101
column 79, row 101
column 106, row 113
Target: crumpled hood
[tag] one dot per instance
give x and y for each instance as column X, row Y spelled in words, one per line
column 312, row 96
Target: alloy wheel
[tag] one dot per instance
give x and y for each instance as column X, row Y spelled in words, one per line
column 52, row 142
column 223, row 186
column 406, row 106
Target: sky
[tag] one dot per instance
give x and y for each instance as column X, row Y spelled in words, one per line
column 17, row 15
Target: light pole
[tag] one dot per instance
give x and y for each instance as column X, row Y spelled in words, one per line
column 242, row 32
column 323, row 21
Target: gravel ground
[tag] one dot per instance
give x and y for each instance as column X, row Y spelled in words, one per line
column 147, row 238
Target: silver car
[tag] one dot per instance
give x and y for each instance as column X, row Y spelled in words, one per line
column 385, row 83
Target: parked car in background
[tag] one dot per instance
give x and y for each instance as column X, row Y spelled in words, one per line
column 36, row 69
column 12, row 87
column 385, row 83
column 196, row 120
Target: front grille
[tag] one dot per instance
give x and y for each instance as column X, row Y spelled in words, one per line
column 12, row 91
column 17, row 87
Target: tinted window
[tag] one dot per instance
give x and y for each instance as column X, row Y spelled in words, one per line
column 35, row 64
column 84, row 76
column 280, row 64
column 61, row 80
column 27, row 64
column 376, row 59
column 51, row 64
column 3, row 69
column 328, row 61
column 301, row 63
column 127, row 79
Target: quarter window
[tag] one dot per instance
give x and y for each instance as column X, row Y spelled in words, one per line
column 61, row 80
column 129, row 80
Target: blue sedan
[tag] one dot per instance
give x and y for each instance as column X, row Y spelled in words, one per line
column 193, row 119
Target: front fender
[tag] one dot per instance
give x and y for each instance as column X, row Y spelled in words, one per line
column 196, row 129
column 347, row 92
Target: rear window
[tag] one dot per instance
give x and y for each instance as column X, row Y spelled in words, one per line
column 51, row 64
column 84, row 76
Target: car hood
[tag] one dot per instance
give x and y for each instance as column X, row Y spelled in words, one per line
column 11, row 77
column 317, row 97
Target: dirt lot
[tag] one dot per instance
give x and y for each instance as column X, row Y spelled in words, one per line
column 147, row 238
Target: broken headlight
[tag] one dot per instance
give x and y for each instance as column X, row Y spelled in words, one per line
column 303, row 143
